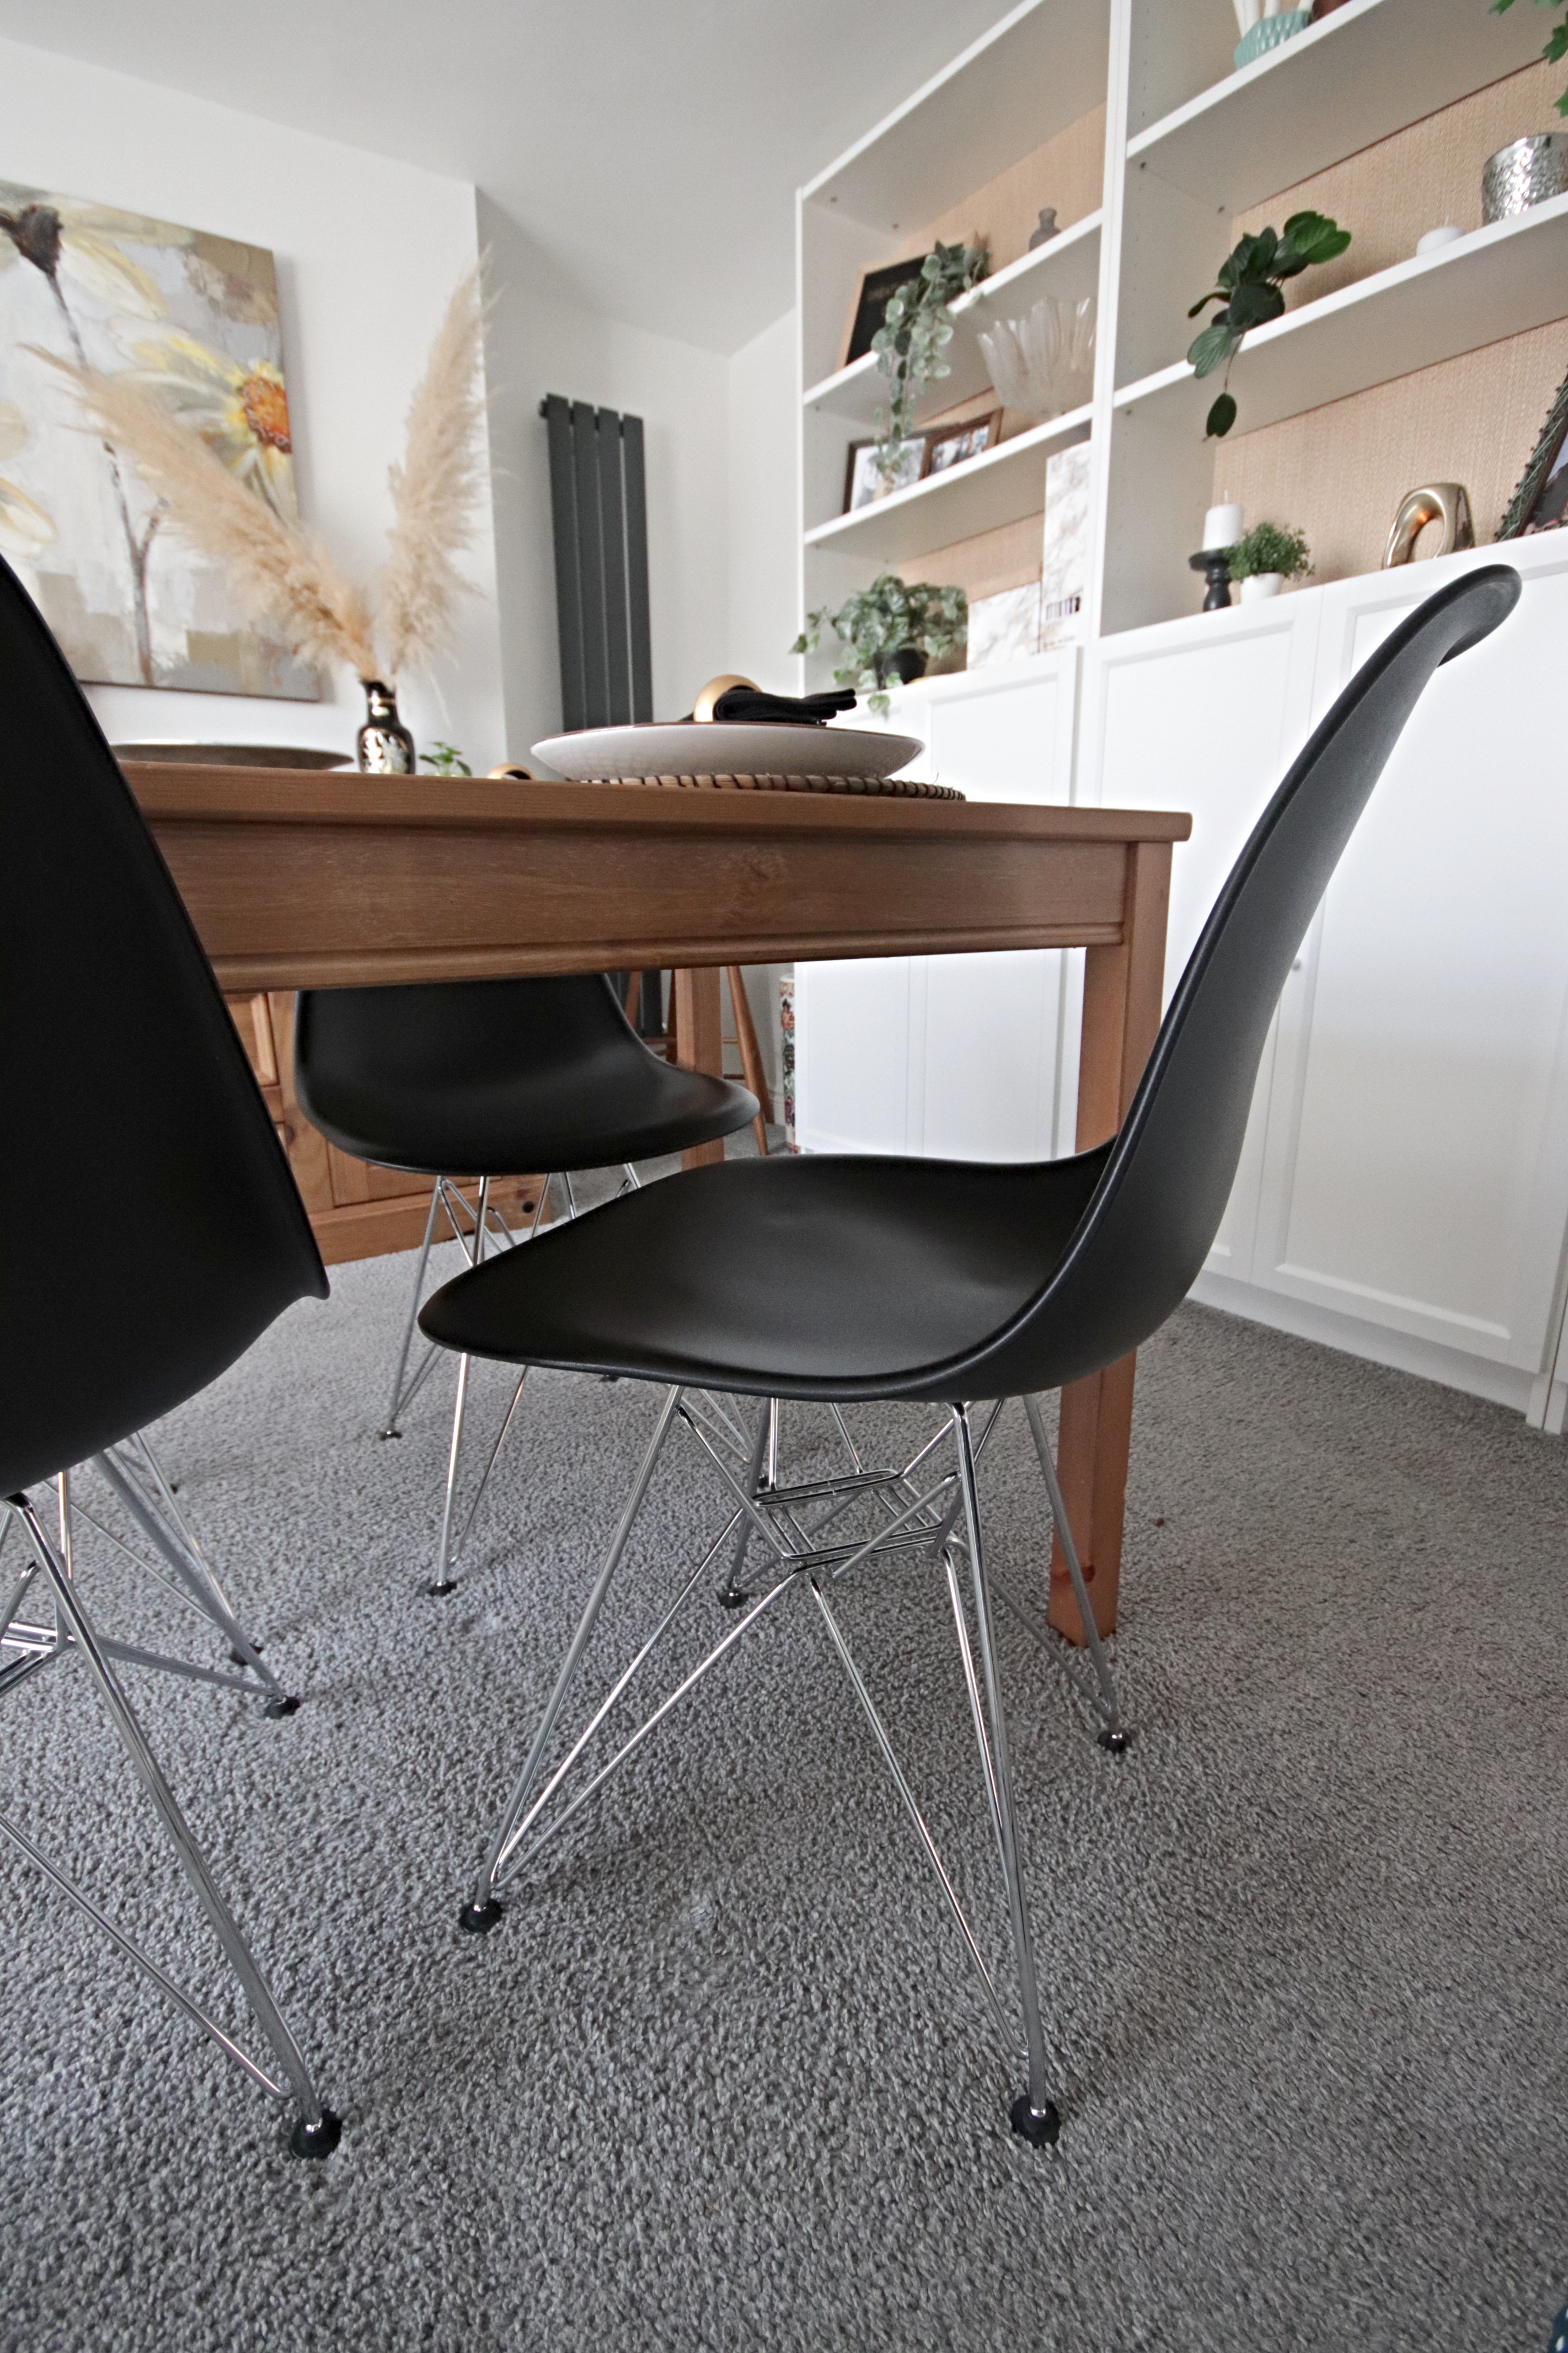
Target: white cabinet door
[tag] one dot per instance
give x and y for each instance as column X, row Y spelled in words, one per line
column 1416, row 1170
column 952, row 1056
column 1204, row 715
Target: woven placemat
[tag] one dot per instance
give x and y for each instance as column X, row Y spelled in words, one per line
column 891, row 787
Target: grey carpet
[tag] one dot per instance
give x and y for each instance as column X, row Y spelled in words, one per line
column 718, row 2080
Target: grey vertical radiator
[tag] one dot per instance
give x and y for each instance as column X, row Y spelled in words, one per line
column 598, row 500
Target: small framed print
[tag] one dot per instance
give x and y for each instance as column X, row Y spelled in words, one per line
column 874, row 290
column 954, row 445
column 863, row 482
column 1540, row 501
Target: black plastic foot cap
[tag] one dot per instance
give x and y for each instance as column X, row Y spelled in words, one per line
column 318, row 2139
column 239, row 1658
column 277, row 1709
column 440, row 1585
column 732, row 1597
column 479, row 1919
column 389, row 1433
column 1038, row 2127
column 1113, row 1743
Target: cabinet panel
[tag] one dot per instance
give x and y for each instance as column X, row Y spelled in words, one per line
column 1206, row 715
column 1418, row 1155
column 952, row 1056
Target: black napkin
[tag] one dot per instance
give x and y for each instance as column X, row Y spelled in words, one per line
column 746, row 703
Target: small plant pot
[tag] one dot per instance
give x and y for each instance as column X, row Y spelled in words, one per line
column 901, row 669
column 1259, row 585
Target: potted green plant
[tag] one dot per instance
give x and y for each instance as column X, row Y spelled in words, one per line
column 891, row 630
column 1249, row 285
column 1267, row 558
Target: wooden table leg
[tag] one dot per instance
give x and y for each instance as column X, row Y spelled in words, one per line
column 1122, row 992
column 699, row 1041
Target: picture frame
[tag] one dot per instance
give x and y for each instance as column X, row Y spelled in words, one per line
column 861, row 488
column 874, row 290
column 954, row 445
column 1540, row 501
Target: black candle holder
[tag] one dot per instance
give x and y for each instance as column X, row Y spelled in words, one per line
column 1216, row 563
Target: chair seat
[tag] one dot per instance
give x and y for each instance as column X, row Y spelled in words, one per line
column 826, row 1278
column 526, row 1120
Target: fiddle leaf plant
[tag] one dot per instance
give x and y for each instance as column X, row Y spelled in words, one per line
column 890, row 617
column 1249, row 285
column 914, row 334
column 1556, row 46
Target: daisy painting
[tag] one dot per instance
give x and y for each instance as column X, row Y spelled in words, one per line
column 192, row 321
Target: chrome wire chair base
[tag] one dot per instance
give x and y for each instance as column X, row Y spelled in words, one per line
column 484, row 1228
column 931, row 1521
column 133, row 1476
column 316, row 2129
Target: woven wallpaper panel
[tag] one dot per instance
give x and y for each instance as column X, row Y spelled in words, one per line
column 1338, row 473
column 1069, row 171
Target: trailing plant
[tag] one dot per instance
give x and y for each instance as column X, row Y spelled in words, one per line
column 1247, row 285
column 890, row 617
column 1556, row 47
column 1269, row 547
column 915, row 332
column 446, row 761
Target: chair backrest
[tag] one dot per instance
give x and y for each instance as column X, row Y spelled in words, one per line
column 414, row 1074
column 148, row 1225
column 1166, row 1176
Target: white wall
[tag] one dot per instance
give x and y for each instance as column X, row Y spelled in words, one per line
column 540, row 341
column 764, row 514
column 367, row 252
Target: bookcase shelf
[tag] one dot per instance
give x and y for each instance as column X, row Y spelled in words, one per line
column 1189, row 145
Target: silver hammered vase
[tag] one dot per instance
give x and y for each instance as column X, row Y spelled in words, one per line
column 1526, row 174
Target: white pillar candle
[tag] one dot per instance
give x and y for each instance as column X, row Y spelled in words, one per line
column 1222, row 526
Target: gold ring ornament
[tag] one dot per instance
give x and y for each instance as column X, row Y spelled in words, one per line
column 702, row 709
column 1445, row 502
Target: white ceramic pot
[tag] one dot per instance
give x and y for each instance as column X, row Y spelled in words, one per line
column 1258, row 585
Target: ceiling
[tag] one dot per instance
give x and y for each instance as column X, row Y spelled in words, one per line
column 649, row 149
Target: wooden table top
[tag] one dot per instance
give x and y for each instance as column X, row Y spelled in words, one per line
column 302, row 878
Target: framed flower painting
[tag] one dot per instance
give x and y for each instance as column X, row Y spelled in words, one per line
column 194, row 318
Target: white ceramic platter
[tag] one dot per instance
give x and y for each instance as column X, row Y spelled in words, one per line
column 717, row 750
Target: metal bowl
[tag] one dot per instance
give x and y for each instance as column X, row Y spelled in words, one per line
column 1526, row 174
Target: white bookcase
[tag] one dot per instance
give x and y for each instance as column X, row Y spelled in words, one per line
column 1404, row 1190
column 1189, row 143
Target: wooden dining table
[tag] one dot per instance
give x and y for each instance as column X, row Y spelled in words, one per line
column 297, row 880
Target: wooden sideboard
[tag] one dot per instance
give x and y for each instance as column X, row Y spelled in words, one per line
column 357, row 1210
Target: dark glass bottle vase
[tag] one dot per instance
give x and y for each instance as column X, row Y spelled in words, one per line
column 901, row 669
column 385, row 746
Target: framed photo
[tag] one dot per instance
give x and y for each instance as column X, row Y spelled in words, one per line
column 953, row 445
column 862, row 483
column 873, row 292
column 1540, row 501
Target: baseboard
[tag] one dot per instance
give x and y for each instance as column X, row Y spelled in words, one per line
column 1502, row 1385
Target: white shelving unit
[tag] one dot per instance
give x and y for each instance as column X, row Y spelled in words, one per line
column 1189, row 143
column 1403, row 1191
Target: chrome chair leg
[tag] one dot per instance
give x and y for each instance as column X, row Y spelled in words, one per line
column 395, row 1407
column 1035, row 2114
column 762, row 1472
column 194, row 1577
column 1111, row 1735
column 444, row 1581
column 484, row 1907
column 316, row 2130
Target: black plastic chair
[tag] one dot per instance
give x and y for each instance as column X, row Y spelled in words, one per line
column 845, row 1279
column 492, row 1077
column 122, row 1066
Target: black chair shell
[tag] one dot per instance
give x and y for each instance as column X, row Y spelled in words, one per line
column 150, row 1228
column 498, row 1077
column 841, row 1278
